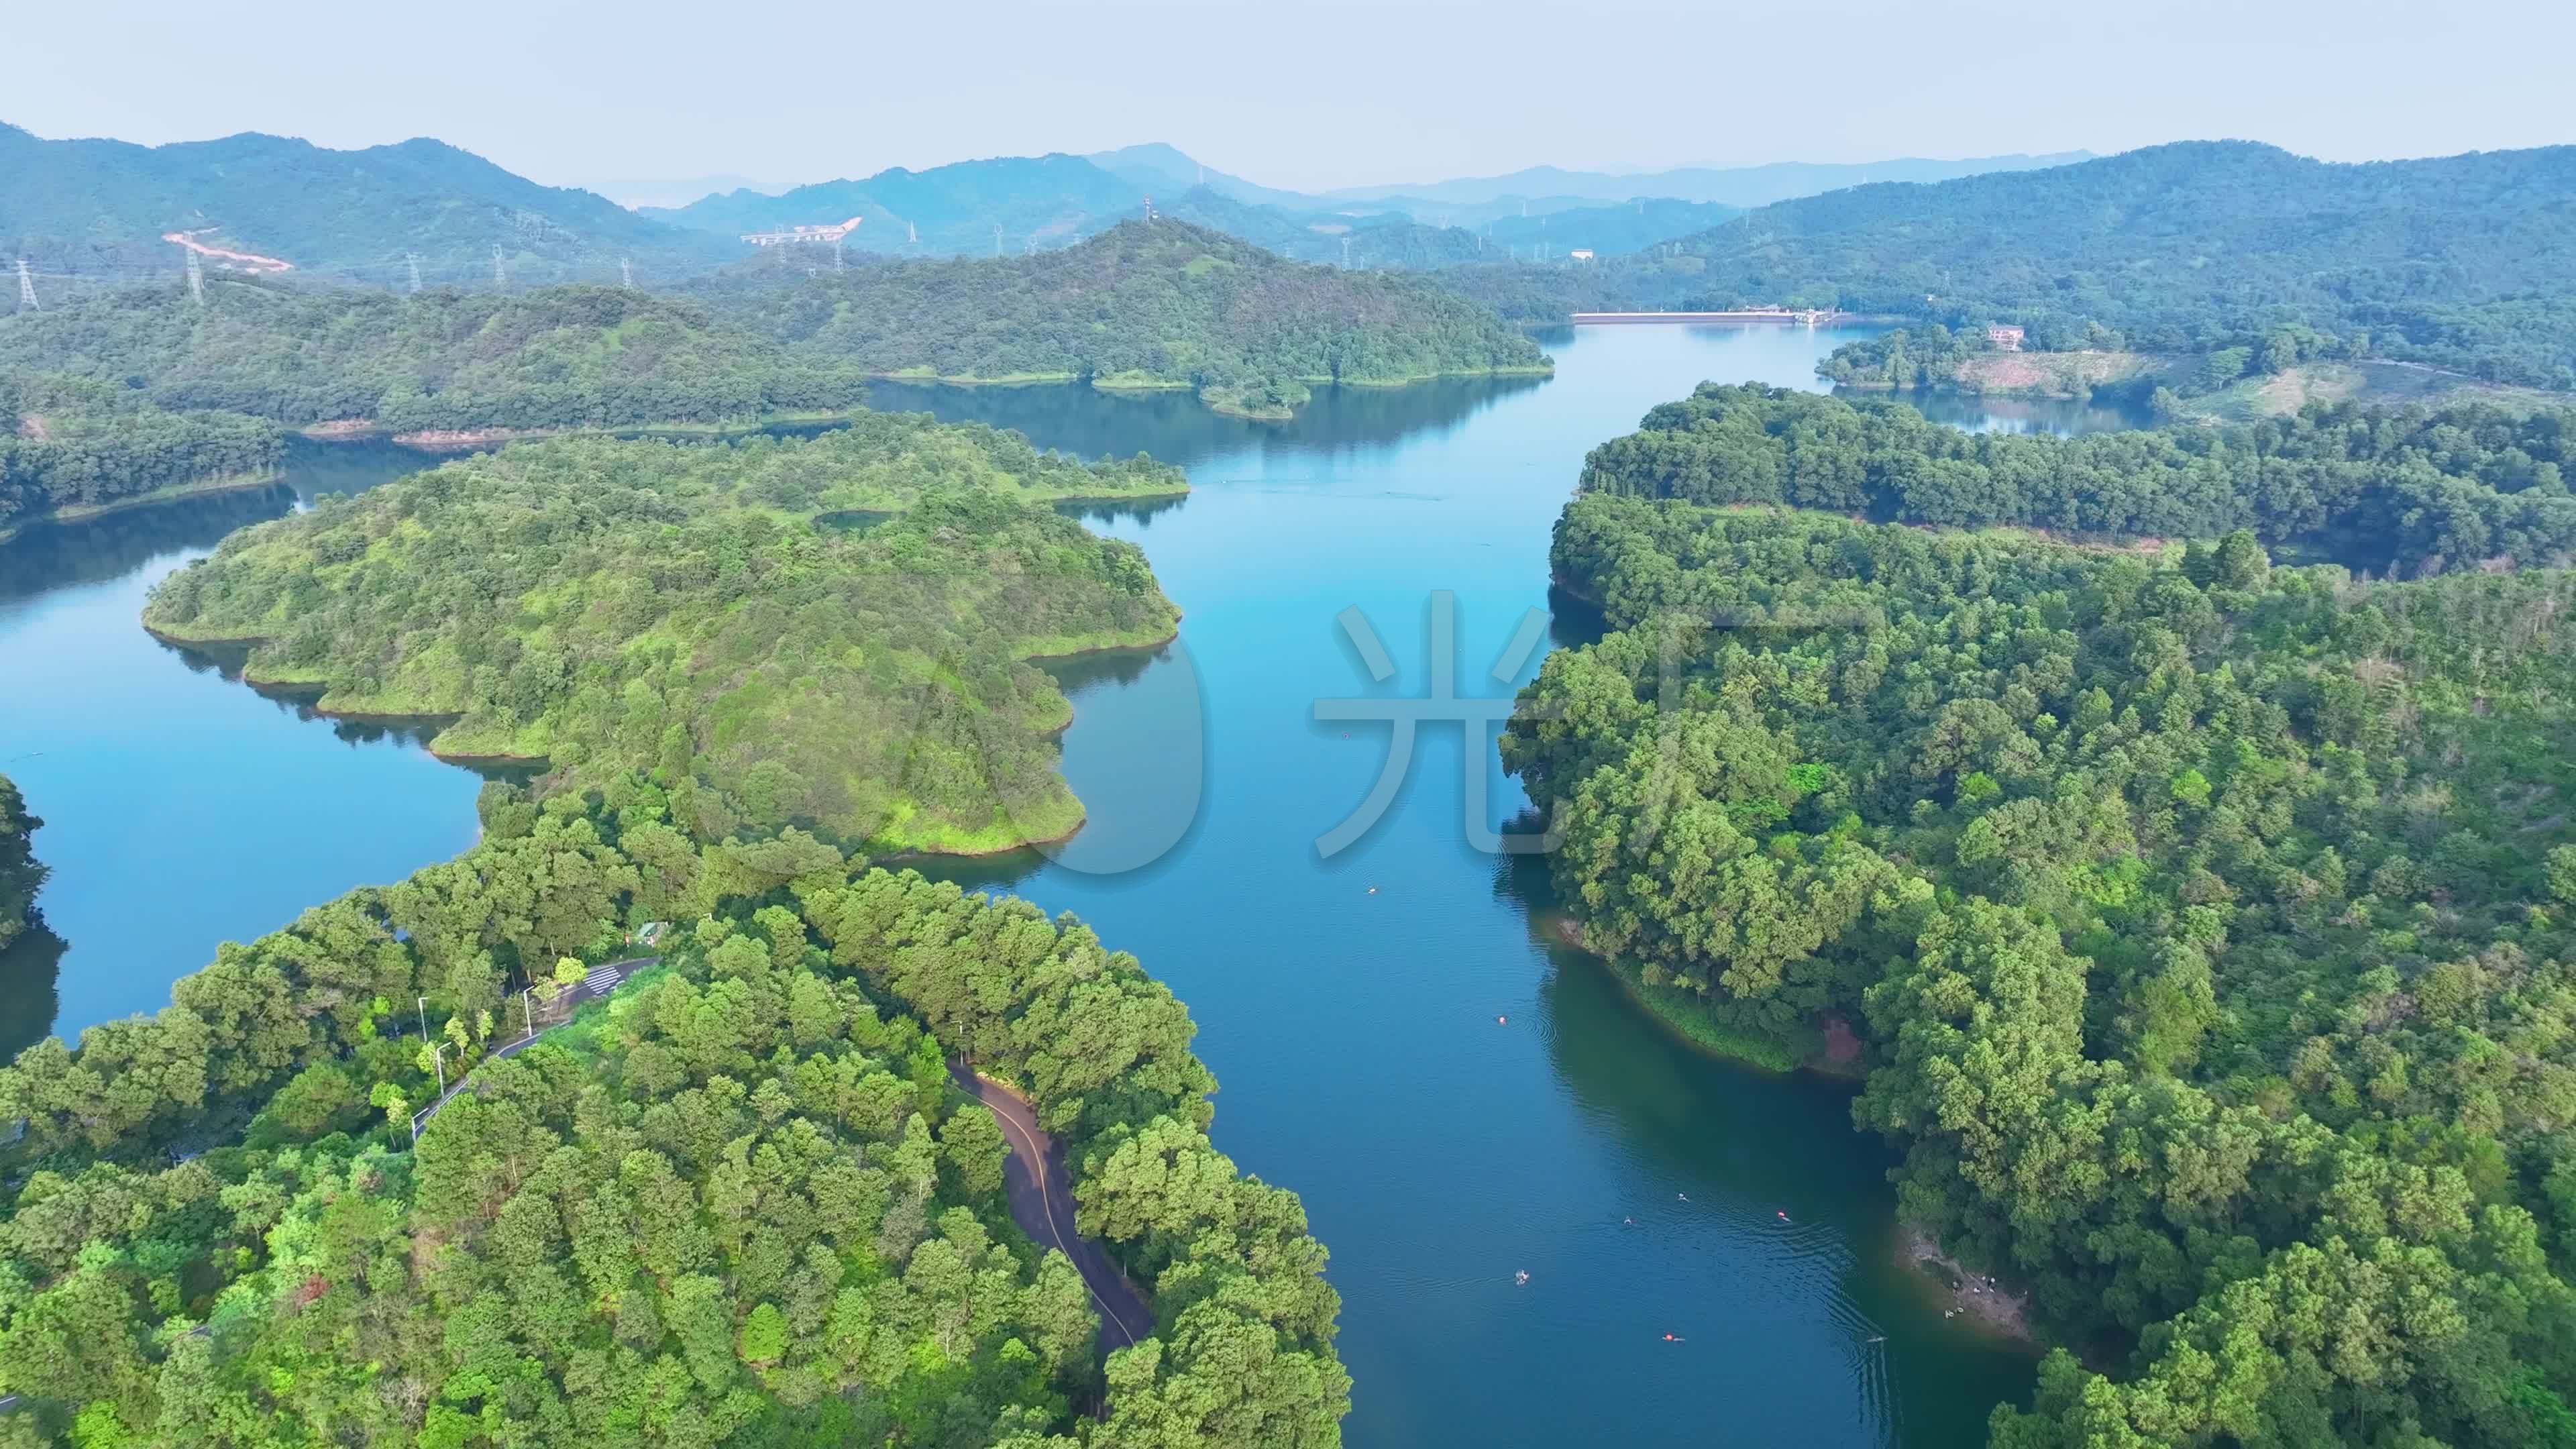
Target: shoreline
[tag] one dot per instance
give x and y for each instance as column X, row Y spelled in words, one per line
column 167, row 493
column 1976, row 1296
column 450, row 440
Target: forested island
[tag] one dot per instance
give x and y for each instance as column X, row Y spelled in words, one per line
column 2413, row 492
column 737, row 1201
column 1160, row 304
column 711, row 613
column 2205, row 928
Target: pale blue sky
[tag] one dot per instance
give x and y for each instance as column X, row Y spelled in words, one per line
column 1307, row 96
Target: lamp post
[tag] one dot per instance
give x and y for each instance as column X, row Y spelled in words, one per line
column 438, row 1064
column 528, row 1009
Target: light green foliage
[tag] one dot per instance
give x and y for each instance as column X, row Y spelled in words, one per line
column 1160, row 304
column 2202, row 920
column 617, row 607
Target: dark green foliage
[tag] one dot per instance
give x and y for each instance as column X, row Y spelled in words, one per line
column 614, row 606
column 2202, row 919
column 21, row 874
column 562, row 357
column 736, row 1203
column 2467, row 262
column 97, row 209
column 2415, row 491
column 1143, row 304
column 68, row 442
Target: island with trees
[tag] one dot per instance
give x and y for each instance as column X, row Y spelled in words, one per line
column 738, row 1200
column 2203, row 928
column 1145, row 304
column 833, row 632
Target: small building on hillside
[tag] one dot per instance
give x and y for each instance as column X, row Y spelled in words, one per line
column 1581, row 254
column 2005, row 336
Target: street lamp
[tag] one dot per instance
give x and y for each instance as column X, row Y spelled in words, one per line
column 439, row 1065
column 530, row 1011
column 424, row 1017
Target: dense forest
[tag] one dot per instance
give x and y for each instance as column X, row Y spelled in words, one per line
column 94, row 212
column 72, row 442
column 2232, row 251
column 2406, row 491
column 21, row 874
column 2206, row 925
column 1159, row 304
column 561, row 357
column 696, row 610
column 737, row 1202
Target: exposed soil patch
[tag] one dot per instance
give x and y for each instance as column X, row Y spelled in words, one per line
column 341, row 428
column 445, row 440
column 1973, row 1294
column 33, row 429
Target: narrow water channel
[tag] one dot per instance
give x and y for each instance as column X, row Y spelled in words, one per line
column 1349, row 1004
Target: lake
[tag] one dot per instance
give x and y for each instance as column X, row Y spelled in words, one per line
column 1347, row 1003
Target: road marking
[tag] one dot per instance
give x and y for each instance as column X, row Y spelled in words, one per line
column 1037, row 1169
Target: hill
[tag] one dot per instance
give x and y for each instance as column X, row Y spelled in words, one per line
column 2246, row 256
column 944, row 211
column 1737, row 186
column 92, row 210
column 614, row 606
column 1149, row 305
column 558, row 357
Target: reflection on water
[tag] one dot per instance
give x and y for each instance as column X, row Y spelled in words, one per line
column 2065, row 417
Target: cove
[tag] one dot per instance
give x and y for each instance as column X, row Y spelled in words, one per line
column 1437, row 1151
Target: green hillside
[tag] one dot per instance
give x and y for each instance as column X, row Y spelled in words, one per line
column 95, row 210
column 944, row 211
column 557, row 357
column 1161, row 304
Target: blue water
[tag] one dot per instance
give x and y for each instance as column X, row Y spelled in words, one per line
column 1438, row 1150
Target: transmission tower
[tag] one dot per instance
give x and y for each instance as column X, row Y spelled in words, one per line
column 911, row 235
column 1346, row 253
column 414, row 259
column 626, row 269
column 836, row 254
column 997, row 238
column 500, row 275
column 196, row 276
column 27, row 288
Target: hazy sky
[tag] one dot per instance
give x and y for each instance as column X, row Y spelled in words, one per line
column 1299, row 95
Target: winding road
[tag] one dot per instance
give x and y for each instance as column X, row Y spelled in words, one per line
column 1041, row 1198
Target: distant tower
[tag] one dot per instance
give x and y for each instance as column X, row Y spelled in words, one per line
column 414, row 259
column 836, row 254
column 911, row 235
column 997, row 238
column 196, row 275
column 626, row 268
column 1346, row 252
column 1149, row 208
column 500, row 275
column 27, row 288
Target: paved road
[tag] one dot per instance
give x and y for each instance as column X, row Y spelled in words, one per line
column 601, row 981
column 1041, row 1198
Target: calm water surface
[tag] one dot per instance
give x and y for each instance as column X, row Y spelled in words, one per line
column 1437, row 1151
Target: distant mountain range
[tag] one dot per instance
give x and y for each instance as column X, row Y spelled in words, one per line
column 1742, row 187
column 100, row 210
